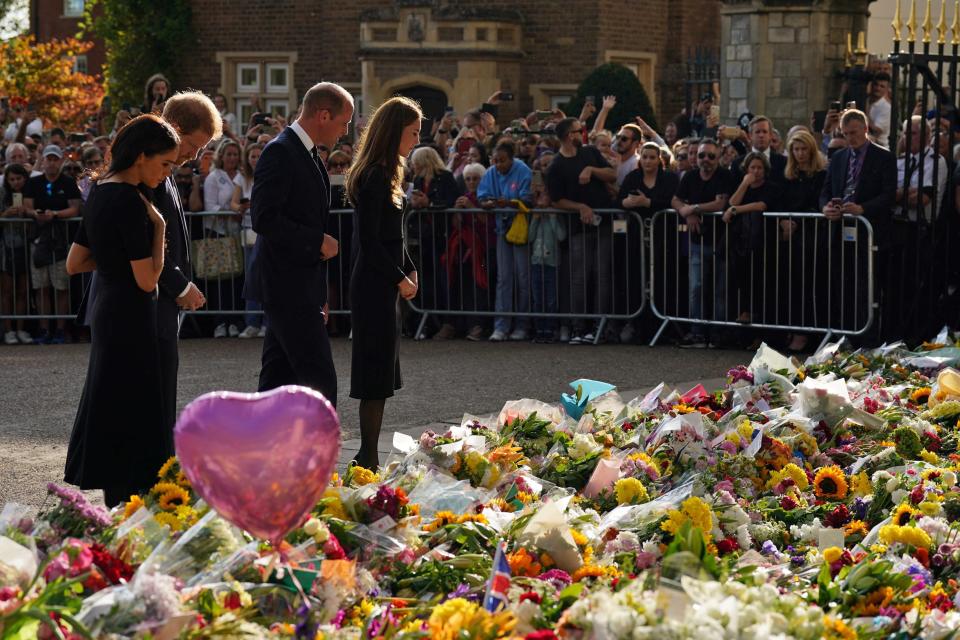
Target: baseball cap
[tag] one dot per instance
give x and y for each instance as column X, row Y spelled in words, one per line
column 52, row 150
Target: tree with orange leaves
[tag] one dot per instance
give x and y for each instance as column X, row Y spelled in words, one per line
column 42, row 74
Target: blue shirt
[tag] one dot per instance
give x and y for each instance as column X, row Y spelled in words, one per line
column 515, row 185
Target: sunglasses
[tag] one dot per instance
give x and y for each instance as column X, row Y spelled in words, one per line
column 625, row 138
column 711, row 156
column 576, row 130
column 681, row 156
column 339, row 165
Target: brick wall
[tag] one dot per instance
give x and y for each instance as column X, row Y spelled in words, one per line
column 48, row 22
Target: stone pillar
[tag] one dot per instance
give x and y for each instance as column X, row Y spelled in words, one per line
column 782, row 59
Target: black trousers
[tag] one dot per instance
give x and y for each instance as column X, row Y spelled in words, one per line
column 296, row 350
column 168, row 324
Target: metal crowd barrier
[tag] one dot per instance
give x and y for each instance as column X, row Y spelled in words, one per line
column 778, row 270
column 599, row 273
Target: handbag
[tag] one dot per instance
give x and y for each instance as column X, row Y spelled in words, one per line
column 517, row 233
column 216, row 258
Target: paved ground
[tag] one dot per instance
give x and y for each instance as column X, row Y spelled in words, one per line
column 40, row 388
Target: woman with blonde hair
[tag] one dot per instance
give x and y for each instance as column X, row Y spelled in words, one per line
column 240, row 202
column 803, row 181
column 217, row 195
column 382, row 268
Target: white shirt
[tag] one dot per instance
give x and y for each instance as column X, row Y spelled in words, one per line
column 246, row 191
column 217, row 193
column 929, row 158
column 880, row 118
column 35, row 127
column 626, row 166
column 303, row 135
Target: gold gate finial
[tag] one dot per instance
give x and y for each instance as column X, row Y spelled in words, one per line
column 942, row 23
column 912, row 22
column 955, row 27
column 848, row 52
column 927, row 23
column 897, row 24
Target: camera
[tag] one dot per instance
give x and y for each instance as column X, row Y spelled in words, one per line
column 506, row 96
column 836, row 105
column 260, row 118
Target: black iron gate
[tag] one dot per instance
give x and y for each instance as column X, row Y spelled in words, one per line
column 920, row 273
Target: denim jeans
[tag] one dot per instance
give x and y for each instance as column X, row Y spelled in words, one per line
column 705, row 269
column 543, row 280
column 251, row 319
column 513, row 263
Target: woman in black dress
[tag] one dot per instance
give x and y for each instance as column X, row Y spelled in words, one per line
column 119, row 440
column 382, row 270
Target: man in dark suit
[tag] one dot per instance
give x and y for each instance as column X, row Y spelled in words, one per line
column 861, row 181
column 760, row 132
column 290, row 206
column 198, row 121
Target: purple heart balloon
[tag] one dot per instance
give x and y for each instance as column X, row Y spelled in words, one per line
column 261, row 460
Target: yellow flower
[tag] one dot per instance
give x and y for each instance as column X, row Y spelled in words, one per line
column 173, row 498
column 931, row 509
column 643, row 457
column 837, row 629
column 167, row 466
column 791, row 471
column 361, row 476
column 332, row 505
column 903, row 514
column 594, row 571
column 510, row 454
column 696, row 511
column 683, row 408
column 578, row 538
column 830, row 483
column 832, row 554
column 860, row 485
column 168, row 519
column 855, row 527
column 920, row 395
column 910, row 536
column 132, row 506
column 630, row 491
column 459, row 618
column 187, row 515
column 929, row 456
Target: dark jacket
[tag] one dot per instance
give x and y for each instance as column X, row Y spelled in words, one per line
column 876, row 186
column 290, row 206
column 176, row 272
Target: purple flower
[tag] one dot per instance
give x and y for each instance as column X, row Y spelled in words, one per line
column 556, row 577
column 769, row 548
column 461, row 591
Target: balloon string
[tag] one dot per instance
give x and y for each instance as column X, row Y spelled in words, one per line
column 286, row 566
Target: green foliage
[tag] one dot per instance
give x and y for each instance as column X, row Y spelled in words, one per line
column 613, row 79
column 141, row 37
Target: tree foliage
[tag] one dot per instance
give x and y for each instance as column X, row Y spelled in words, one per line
column 613, row 79
column 42, row 74
column 141, row 37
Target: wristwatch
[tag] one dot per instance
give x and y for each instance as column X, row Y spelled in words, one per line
column 733, row 211
column 696, row 209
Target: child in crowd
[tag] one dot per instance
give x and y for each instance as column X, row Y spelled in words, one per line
column 544, row 235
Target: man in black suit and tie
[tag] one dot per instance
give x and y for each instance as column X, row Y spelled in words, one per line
column 198, row 121
column 760, row 132
column 861, row 181
column 290, row 206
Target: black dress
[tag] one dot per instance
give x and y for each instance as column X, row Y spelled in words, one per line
column 380, row 261
column 119, row 440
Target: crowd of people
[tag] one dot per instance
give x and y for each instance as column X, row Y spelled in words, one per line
column 510, row 270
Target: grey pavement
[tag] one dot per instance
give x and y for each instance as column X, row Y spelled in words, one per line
column 40, row 388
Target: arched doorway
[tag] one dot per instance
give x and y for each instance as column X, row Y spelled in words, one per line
column 432, row 101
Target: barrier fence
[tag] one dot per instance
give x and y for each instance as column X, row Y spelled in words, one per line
column 787, row 271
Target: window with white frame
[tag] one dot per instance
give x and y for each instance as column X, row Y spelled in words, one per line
column 80, row 64
column 278, row 107
column 248, row 77
column 264, row 78
column 244, row 110
column 73, row 8
column 559, row 101
column 278, row 77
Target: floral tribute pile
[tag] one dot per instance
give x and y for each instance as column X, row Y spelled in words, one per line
column 814, row 500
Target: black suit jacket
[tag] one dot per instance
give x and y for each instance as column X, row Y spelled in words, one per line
column 290, row 206
column 876, row 187
column 176, row 272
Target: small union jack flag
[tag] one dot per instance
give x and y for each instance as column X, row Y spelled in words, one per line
column 499, row 580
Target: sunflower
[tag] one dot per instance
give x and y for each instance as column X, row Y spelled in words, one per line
column 903, row 514
column 920, row 395
column 837, row 629
column 856, row 527
column 682, row 408
column 132, row 506
column 830, row 483
column 173, row 498
column 167, row 466
column 169, row 520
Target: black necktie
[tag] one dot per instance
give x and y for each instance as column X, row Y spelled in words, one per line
column 316, row 156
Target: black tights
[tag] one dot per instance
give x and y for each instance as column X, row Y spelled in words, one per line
column 371, row 419
column 112, row 496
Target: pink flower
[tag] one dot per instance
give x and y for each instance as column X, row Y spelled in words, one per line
column 74, row 558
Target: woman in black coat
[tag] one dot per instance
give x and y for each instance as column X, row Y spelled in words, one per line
column 119, row 439
column 382, row 270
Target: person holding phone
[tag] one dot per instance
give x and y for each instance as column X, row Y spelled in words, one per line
column 14, row 269
column 155, row 93
column 240, row 203
column 382, row 269
column 122, row 238
column 217, row 193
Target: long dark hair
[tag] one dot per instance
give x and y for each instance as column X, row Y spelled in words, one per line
column 380, row 144
column 147, row 134
column 18, row 169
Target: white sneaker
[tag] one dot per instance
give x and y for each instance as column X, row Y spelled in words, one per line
column 262, row 333
column 220, row 331
column 519, row 335
column 249, row 332
column 233, row 331
column 564, row 334
column 498, row 336
column 24, row 337
column 10, row 337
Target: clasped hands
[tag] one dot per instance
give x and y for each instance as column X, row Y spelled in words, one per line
column 833, row 212
column 408, row 286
